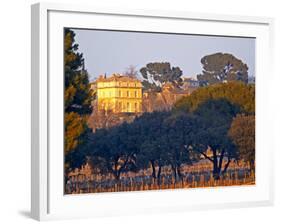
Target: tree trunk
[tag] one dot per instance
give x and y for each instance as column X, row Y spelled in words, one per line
column 252, row 165
column 116, row 171
column 226, row 166
column 116, row 175
column 153, row 169
column 179, row 171
column 221, row 160
column 175, row 172
column 159, row 174
column 216, row 171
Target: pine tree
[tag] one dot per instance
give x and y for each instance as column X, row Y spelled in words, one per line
column 156, row 74
column 77, row 96
column 221, row 68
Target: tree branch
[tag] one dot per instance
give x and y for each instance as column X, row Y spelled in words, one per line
column 206, row 157
column 221, row 159
column 226, row 166
column 124, row 165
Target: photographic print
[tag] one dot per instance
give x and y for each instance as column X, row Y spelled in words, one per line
column 157, row 111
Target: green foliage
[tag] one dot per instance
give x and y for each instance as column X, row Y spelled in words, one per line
column 211, row 133
column 164, row 138
column 235, row 92
column 113, row 150
column 150, row 136
column 215, row 107
column 242, row 133
column 199, row 126
column 216, row 112
column 178, row 133
column 153, row 139
column 221, row 67
column 75, row 126
column 75, row 131
column 77, row 100
column 160, row 73
column 77, row 94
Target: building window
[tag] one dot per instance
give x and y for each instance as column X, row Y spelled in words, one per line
column 119, row 93
column 128, row 106
column 128, row 94
column 136, row 107
column 136, row 94
column 120, row 106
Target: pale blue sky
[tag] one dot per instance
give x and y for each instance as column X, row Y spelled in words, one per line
column 114, row 51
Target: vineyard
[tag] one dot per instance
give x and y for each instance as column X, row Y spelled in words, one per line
column 198, row 175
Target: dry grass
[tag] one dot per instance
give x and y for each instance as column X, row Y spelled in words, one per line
column 196, row 176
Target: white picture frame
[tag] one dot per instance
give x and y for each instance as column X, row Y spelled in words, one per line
column 48, row 201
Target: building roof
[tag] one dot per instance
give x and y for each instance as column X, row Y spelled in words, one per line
column 117, row 77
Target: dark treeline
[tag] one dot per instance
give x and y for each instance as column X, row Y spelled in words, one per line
column 219, row 117
column 213, row 118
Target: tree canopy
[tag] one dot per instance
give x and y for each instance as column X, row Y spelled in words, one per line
column 202, row 125
column 235, row 92
column 77, row 94
column 221, row 67
column 156, row 74
column 211, row 133
column 113, row 150
column 151, row 140
column 164, row 138
column 242, row 133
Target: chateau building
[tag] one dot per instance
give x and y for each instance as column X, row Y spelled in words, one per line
column 119, row 94
column 120, row 98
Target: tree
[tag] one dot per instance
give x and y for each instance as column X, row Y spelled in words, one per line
column 75, row 126
column 214, row 118
column 131, row 71
column 177, row 133
column 221, row 67
column 77, row 97
column 77, row 94
column 242, row 133
column 151, row 156
column 235, row 92
column 215, row 107
column 113, row 150
column 101, row 118
column 156, row 74
column 164, row 139
column 151, row 142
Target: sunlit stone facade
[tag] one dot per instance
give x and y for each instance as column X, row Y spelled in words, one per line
column 119, row 94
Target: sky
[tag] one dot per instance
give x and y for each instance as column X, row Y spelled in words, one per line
column 114, row 51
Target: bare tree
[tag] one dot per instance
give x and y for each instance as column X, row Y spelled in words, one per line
column 104, row 117
column 131, row 71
